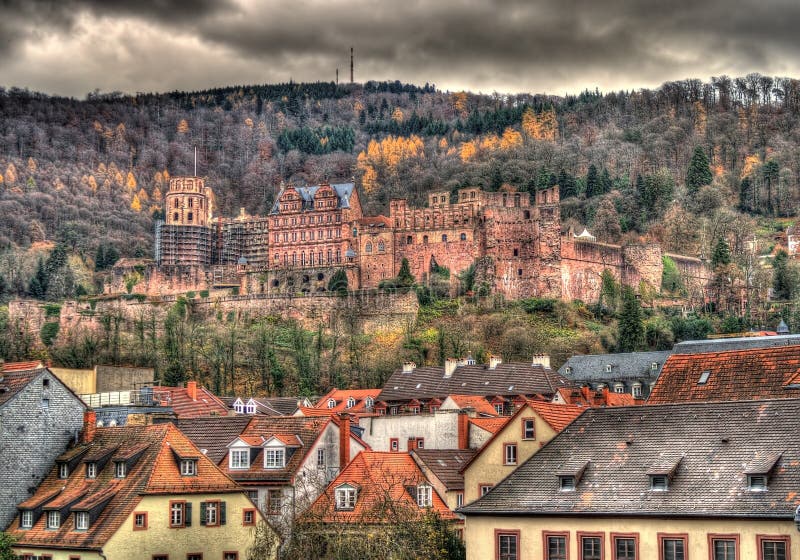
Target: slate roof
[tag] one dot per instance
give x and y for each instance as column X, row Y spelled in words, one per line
column 714, row 442
column 157, row 471
column 507, row 379
column 378, row 477
column 738, row 343
column 213, row 433
column 344, row 191
column 304, row 431
column 631, row 365
column 446, row 464
column 758, row 373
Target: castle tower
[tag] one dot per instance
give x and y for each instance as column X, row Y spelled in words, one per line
column 187, row 202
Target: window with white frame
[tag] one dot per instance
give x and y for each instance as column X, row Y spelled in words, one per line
column 274, row 458
column 619, row 388
column 369, row 402
column 239, row 459
column 26, row 519
column 91, row 470
column 53, row 519
column 238, row 406
column 176, row 514
column 528, row 428
column 345, row 497
column 81, row 520
column 351, row 402
column 188, row 467
column 211, row 513
column 459, row 499
column 251, row 407
column 510, row 454
column 63, row 470
column 567, row 483
column 637, row 390
column 119, row 469
column 331, row 403
column 424, row 495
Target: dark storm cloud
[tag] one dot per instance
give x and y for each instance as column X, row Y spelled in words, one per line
column 505, row 45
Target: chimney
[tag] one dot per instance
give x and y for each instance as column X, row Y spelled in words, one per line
column 409, row 367
column 344, row 440
column 605, row 395
column 463, row 430
column 541, row 360
column 191, row 388
column 494, row 361
column 585, row 392
column 450, row 365
column 89, row 426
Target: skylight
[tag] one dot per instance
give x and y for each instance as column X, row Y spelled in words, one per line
column 704, row 377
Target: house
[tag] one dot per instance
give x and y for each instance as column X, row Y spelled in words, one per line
column 411, row 388
column 10, row 367
column 481, row 429
column 528, row 430
column 269, row 406
column 212, row 434
column 442, row 468
column 39, row 416
column 478, row 404
column 735, row 375
column 735, row 343
column 354, row 401
column 374, row 480
column 283, row 462
column 443, row 429
column 585, row 396
column 683, row 481
column 633, row 373
column 135, row 492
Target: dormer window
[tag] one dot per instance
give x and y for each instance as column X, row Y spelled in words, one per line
column 239, row 459
column 608, row 368
column 659, row 482
column 369, row 402
column 251, row 407
column 26, row 519
column 331, row 403
column 81, row 520
column 757, row 482
column 568, row 370
column 346, row 497
column 91, row 470
column 424, row 495
column 120, row 470
column 275, row 458
column 570, row 474
column 53, row 519
column 63, row 470
column 619, row 388
column 351, row 402
column 188, row 467
column 567, row 483
column 238, row 406
column 637, row 391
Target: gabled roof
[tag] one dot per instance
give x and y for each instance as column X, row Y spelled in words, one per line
column 506, row 379
column 375, row 221
column 156, row 472
column 12, row 383
column 705, row 446
column 301, row 432
column 491, row 425
column 341, row 396
column 757, row 373
column 557, row 416
column 213, row 433
column 206, row 404
column 480, row 404
column 586, row 396
column 738, row 343
column 270, row 406
column 7, row 367
column 343, row 191
column 629, row 365
column 445, row 464
column 380, row 477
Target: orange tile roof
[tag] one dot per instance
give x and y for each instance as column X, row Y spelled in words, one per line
column 479, row 403
column 207, row 404
column 491, row 425
column 312, row 412
column 558, row 416
column 155, row 472
column 751, row 374
column 379, row 477
column 7, row 367
column 585, row 396
column 341, row 396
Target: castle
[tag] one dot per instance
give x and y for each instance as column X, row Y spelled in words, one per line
column 513, row 239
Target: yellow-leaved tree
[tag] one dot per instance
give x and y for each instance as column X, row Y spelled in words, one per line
column 183, row 126
column 130, row 182
column 32, row 165
column 511, row 139
column 467, row 151
column 397, row 115
column 136, row 204
column 11, row 174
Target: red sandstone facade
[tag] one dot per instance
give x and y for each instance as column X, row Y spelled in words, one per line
column 513, row 240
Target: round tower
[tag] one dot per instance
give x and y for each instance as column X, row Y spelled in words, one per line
column 187, row 202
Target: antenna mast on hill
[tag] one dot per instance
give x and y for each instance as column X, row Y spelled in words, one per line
column 337, row 76
column 351, row 65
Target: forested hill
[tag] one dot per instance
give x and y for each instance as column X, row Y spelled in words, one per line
column 82, row 173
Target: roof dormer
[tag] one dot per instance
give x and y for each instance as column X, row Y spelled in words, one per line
column 346, row 495
column 759, row 470
column 251, row 407
column 662, row 472
column 238, row 406
column 570, row 474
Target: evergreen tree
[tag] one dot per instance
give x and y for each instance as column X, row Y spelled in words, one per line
column 605, row 181
column 781, row 279
column 746, row 195
column 338, row 282
column 699, row 172
column 593, row 187
column 631, row 325
column 721, row 255
column 567, row 185
column 404, row 276
column 3, row 286
column 37, row 288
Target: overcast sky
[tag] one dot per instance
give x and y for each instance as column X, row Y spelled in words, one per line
column 72, row 47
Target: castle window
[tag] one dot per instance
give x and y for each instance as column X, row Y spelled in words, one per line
column 381, row 247
column 175, row 216
column 191, row 203
column 519, row 272
column 516, row 252
column 368, row 247
column 527, row 215
column 424, row 239
column 294, row 259
column 189, row 217
column 472, row 194
column 463, row 237
column 329, row 256
column 176, row 203
column 201, row 204
column 444, row 238
column 355, row 232
column 409, row 240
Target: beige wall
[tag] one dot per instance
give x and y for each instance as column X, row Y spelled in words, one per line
column 488, row 467
column 81, row 381
column 480, row 534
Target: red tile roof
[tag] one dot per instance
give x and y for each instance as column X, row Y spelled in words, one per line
column 206, row 404
column 585, row 396
column 477, row 402
column 20, row 366
column 157, row 471
column 491, row 425
column 558, row 416
column 379, row 477
column 752, row 374
column 340, row 396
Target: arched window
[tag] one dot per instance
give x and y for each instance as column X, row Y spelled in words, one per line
column 176, row 203
column 409, row 239
column 381, row 247
column 351, row 402
column 444, row 238
column 368, row 247
column 331, row 403
column 424, row 239
column 369, row 402
column 463, row 237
